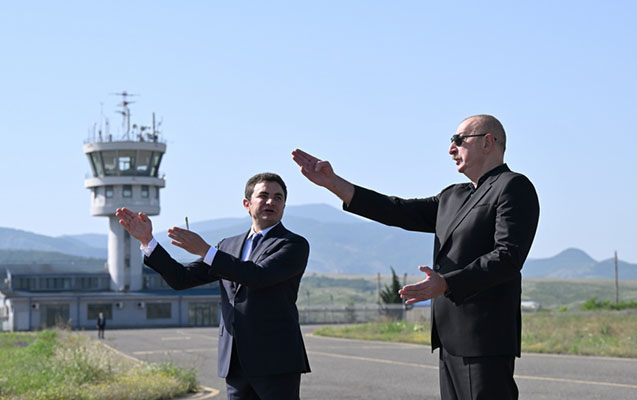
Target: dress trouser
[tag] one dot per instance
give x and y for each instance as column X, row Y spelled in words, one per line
column 477, row 378
column 271, row 387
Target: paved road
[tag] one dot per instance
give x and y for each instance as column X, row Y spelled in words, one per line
column 352, row 369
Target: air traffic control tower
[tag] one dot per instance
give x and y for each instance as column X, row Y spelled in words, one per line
column 125, row 173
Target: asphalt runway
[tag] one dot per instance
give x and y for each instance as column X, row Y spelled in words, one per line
column 353, row 369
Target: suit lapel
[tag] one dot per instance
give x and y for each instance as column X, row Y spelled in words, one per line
column 235, row 249
column 271, row 239
column 468, row 206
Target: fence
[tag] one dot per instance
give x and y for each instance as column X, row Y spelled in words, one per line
column 362, row 313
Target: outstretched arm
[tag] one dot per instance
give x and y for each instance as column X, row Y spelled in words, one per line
column 138, row 225
column 321, row 173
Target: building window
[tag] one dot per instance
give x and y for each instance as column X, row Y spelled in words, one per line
column 154, row 170
column 157, row 193
column 158, row 310
column 143, row 165
column 110, row 162
column 96, row 163
column 109, row 191
column 94, row 311
column 126, row 162
column 145, row 191
column 54, row 315
column 127, row 191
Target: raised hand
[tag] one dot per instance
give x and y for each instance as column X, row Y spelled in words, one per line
column 433, row 286
column 318, row 171
column 189, row 241
column 138, row 225
column 321, row 173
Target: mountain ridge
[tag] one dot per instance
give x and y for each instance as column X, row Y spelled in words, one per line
column 339, row 243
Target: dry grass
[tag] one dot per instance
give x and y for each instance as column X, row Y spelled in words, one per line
column 61, row 365
column 604, row 333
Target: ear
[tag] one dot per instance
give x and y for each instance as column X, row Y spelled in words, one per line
column 246, row 205
column 489, row 142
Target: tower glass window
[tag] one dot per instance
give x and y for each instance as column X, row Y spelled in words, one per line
column 143, row 162
column 109, row 191
column 126, row 162
column 127, row 191
column 155, row 167
column 96, row 163
column 110, row 162
column 145, row 191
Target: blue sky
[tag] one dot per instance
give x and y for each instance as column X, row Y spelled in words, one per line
column 376, row 87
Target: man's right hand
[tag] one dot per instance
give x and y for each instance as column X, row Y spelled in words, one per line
column 138, row 225
column 321, row 173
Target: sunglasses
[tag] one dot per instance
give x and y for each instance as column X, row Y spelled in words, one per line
column 458, row 140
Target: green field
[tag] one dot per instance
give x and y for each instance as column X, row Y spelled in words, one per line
column 342, row 290
column 599, row 333
column 59, row 365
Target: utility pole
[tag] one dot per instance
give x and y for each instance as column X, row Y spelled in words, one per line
column 378, row 289
column 616, row 281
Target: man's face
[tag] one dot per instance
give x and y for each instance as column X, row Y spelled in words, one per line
column 266, row 204
column 468, row 155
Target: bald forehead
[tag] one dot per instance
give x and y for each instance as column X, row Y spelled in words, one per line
column 469, row 125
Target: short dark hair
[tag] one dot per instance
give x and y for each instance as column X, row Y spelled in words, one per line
column 264, row 177
column 489, row 124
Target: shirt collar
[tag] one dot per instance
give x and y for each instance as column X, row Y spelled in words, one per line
column 263, row 232
column 497, row 170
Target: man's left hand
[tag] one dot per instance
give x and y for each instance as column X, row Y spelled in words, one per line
column 433, row 286
column 189, row 241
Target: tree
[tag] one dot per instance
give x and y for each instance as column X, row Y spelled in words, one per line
column 389, row 295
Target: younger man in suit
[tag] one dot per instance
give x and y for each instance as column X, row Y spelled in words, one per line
column 483, row 233
column 261, row 349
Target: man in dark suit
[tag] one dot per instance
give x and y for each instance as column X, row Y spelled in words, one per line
column 261, row 349
column 483, row 233
column 101, row 325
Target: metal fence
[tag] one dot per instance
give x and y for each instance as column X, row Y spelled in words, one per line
column 362, row 313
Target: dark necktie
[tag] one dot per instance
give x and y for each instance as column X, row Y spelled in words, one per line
column 255, row 242
column 253, row 245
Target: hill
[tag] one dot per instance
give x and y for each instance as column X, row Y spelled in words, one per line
column 339, row 243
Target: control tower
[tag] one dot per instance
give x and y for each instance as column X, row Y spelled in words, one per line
column 125, row 173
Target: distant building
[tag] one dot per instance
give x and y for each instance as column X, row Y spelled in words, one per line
column 125, row 173
column 34, row 300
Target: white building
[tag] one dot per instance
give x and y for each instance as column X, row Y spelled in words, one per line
column 125, row 173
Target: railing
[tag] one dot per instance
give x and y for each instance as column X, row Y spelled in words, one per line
column 362, row 313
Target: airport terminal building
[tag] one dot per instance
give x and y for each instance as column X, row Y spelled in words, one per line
column 30, row 301
column 124, row 173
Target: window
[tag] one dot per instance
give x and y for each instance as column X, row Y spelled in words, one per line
column 126, row 162
column 155, row 166
column 158, row 310
column 127, row 191
column 96, row 163
column 94, row 311
column 109, row 191
column 143, row 162
column 86, row 283
column 110, row 162
column 145, row 192
column 157, row 193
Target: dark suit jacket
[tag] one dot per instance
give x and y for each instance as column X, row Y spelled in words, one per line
column 481, row 242
column 260, row 316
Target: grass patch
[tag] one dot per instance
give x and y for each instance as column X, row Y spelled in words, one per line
column 595, row 304
column 57, row 364
column 400, row 331
column 610, row 333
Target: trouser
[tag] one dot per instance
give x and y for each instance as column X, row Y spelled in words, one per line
column 271, row 387
column 477, row 378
